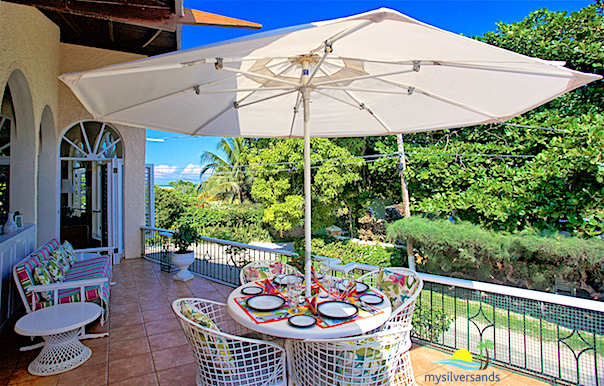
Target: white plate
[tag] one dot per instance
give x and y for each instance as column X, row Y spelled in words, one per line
column 265, row 302
column 361, row 287
column 371, row 299
column 337, row 310
column 252, row 290
column 302, row 321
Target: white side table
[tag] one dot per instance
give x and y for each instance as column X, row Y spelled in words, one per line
column 59, row 326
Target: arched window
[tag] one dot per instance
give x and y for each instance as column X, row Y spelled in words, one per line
column 87, row 151
column 91, row 141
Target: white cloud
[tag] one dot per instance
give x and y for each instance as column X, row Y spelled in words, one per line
column 172, row 173
column 191, row 172
column 166, row 172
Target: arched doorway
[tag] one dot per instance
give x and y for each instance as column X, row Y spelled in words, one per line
column 91, row 185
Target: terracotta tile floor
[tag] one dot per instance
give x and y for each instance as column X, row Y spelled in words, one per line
column 146, row 345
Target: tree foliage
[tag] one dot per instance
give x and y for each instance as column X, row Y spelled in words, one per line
column 278, row 183
column 228, row 180
column 550, row 180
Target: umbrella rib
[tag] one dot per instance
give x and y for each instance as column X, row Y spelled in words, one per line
column 296, row 108
column 358, row 106
column 214, row 118
column 251, row 74
column 263, row 84
column 513, row 70
column 344, row 33
column 471, row 66
column 370, row 76
column 265, row 99
column 364, row 90
column 361, row 104
column 213, row 83
column 253, row 90
column 327, row 51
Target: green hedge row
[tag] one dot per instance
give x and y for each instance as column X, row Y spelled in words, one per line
column 527, row 260
column 348, row 252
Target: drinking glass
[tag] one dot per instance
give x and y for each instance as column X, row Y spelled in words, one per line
column 325, row 281
column 280, row 275
column 294, row 290
column 334, row 288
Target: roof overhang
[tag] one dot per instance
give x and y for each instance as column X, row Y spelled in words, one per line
column 147, row 27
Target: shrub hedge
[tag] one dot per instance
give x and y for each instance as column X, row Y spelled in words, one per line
column 348, row 252
column 527, row 259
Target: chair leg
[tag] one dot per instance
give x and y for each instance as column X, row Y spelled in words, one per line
column 32, row 347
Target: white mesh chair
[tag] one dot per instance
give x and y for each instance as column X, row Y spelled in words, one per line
column 368, row 360
column 403, row 313
column 224, row 357
column 264, row 269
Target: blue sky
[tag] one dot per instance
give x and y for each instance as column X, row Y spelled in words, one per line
column 178, row 158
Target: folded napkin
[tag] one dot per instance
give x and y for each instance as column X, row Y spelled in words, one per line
column 270, row 288
column 311, row 304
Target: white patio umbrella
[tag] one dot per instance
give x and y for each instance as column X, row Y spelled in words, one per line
column 377, row 73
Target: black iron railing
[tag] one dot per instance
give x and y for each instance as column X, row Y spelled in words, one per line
column 215, row 259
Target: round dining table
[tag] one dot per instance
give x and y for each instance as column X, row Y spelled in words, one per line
column 283, row 329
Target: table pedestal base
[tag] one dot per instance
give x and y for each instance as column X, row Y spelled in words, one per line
column 61, row 352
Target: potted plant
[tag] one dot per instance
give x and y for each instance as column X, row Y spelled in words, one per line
column 183, row 258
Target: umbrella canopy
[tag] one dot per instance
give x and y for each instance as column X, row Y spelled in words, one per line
column 377, row 73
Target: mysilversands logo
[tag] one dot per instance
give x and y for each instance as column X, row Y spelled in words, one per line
column 463, row 359
column 452, row 377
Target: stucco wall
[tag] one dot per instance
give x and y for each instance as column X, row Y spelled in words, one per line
column 29, row 50
column 78, row 58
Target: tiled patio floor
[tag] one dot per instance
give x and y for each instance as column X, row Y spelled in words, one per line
column 146, row 345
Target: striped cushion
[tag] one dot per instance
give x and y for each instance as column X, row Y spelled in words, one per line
column 25, row 269
column 46, row 250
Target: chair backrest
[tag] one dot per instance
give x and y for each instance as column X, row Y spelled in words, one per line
column 409, row 286
column 23, row 271
column 376, row 359
column 265, row 269
column 226, row 359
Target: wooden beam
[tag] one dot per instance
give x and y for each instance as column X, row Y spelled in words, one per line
column 195, row 17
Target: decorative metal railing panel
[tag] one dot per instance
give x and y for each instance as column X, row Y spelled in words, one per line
column 219, row 260
column 554, row 341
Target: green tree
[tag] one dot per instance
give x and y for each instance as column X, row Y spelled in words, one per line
column 185, row 187
column 228, row 179
column 278, row 183
column 170, row 206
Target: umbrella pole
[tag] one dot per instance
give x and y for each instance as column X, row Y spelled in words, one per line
column 307, row 180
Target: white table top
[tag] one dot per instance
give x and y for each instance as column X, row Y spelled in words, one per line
column 57, row 319
column 284, row 330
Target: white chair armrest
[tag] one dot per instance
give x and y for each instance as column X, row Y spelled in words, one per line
column 68, row 284
column 55, row 287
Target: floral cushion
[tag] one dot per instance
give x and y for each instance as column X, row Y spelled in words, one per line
column 194, row 314
column 59, row 256
column 69, row 252
column 42, row 277
column 191, row 312
column 366, row 359
column 253, row 273
column 397, row 286
column 56, row 269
